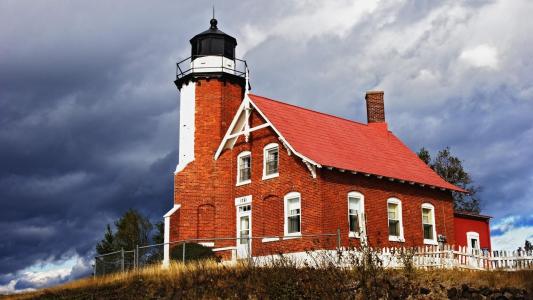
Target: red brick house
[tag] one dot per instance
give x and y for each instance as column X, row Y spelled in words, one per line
column 253, row 166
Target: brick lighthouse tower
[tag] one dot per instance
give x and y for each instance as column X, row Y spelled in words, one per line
column 211, row 84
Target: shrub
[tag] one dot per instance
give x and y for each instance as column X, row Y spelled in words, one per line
column 193, row 252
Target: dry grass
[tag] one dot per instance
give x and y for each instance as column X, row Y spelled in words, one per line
column 496, row 279
column 153, row 274
column 207, row 280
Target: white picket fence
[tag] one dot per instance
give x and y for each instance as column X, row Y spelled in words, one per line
column 421, row 257
column 460, row 257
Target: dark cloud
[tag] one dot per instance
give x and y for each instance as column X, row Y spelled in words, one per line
column 89, row 113
column 88, row 116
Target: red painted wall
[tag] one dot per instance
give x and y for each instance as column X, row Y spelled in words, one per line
column 466, row 224
column 206, row 189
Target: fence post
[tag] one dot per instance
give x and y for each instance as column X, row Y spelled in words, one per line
column 249, row 250
column 137, row 256
column 183, row 252
column 122, row 261
column 94, row 271
column 338, row 238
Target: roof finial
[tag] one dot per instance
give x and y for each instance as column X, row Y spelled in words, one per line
column 247, row 87
column 213, row 21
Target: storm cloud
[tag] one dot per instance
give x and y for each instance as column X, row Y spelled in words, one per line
column 89, row 113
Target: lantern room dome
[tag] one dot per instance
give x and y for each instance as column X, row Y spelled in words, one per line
column 213, row 42
column 212, row 56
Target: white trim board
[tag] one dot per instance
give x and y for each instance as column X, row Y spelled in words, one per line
column 172, row 210
column 166, row 234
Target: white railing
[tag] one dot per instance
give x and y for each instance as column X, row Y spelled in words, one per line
column 460, row 257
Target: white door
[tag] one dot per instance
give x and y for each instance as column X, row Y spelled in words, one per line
column 244, row 230
column 472, row 239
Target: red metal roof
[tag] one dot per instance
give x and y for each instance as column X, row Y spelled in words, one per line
column 470, row 215
column 344, row 144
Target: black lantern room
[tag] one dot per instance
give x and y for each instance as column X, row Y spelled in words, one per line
column 212, row 56
column 213, row 42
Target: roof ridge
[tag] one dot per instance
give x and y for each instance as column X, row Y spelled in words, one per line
column 311, row 110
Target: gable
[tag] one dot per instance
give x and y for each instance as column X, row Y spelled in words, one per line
column 240, row 125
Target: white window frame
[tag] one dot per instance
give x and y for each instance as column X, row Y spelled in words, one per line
column 432, row 209
column 291, row 195
column 472, row 235
column 242, row 154
column 265, row 156
column 361, row 215
column 394, row 238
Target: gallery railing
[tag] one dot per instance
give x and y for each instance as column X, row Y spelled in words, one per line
column 211, row 63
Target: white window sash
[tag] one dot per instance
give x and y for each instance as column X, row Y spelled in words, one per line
column 428, row 211
column 356, row 208
column 267, row 150
column 292, row 210
column 396, row 217
column 240, row 160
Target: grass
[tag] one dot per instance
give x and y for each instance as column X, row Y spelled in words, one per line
column 208, row 279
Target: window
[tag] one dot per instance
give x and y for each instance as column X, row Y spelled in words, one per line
column 244, row 162
column 293, row 216
column 428, row 224
column 270, row 161
column 245, row 208
column 355, row 213
column 474, row 243
column 394, row 210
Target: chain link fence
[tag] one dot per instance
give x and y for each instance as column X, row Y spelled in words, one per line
column 118, row 261
column 250, row 249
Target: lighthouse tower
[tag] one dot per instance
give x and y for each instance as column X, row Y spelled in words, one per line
column 211, row 83
column 208, row 81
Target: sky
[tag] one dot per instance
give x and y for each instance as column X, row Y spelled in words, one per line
column 89, row 112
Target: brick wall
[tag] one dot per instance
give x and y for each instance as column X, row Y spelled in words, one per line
column 337, row 185
column 202, row 187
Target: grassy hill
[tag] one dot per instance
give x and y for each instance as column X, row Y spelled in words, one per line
column 209, row 280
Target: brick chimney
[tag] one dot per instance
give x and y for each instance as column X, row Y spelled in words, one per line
column 375, row 107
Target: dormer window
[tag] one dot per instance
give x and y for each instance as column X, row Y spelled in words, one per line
column 244, row 168
column 270, row 161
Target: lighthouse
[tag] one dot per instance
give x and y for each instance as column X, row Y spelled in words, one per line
column 211, row 83
column 257, row 177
